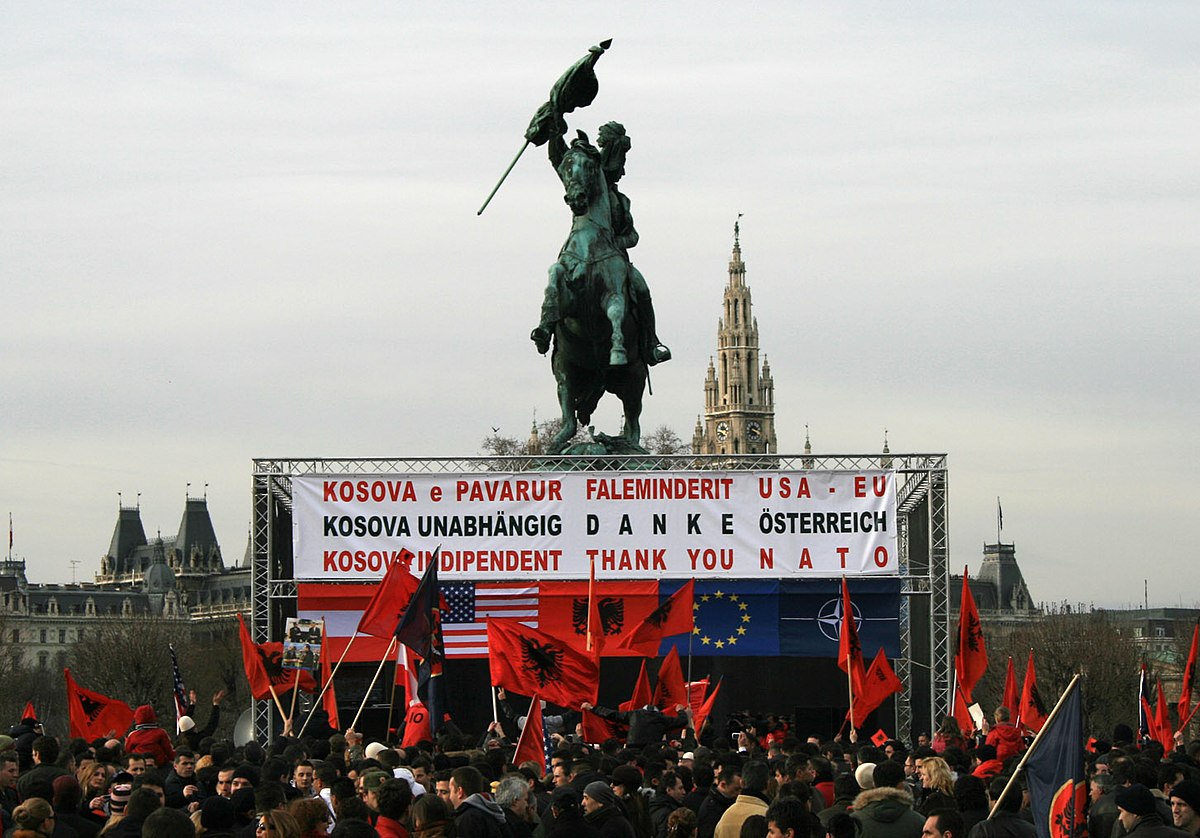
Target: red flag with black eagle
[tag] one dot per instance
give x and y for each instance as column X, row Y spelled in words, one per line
column 641, row 692
column 528, row 661
column 670, row 691
column 94, row 716
column 1055, row 776
column 971, row 657
column 880, row 682
column 850, row 656
column 263, row 663
column 391, row 598
column 1185, row 709
column 674, row 616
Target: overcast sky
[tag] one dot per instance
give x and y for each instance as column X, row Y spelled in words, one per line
column 239, row 230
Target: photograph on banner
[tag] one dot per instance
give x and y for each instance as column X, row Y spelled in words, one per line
column 552, row 525
column 302, row 644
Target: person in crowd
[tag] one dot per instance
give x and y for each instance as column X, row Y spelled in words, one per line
column 751, row 800
column 603, row 810
column 886, row 811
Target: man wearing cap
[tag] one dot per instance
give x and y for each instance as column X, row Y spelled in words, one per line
column 1139, row 816
column 603, row 811
column 1185, row 806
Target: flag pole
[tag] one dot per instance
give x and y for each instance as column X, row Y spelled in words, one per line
column 367, row 694
column 325, row 687
column 1034, row 744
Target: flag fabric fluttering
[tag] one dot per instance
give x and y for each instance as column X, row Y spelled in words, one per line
column 971, row 656
column 1055, row 774
column 387, row 606
column 527, row 661
column 1184, row 709
column 880, row 682
column 670, row 691
column 178, row 691
column 1164, row 735
column 1032, row 711
column 1012, row 695
column 850, row 656
column 95, row 716
column 705, row 710
column 420, row 631
column 329, row 702
column 263, row 663
column 641, row 692
column 532, row 743
column 673, row 616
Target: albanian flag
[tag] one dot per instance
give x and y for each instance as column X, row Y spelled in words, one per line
column 1057, row 784
column 530, row 662
column 263, row 663
column 93, row 715
column 674, row 616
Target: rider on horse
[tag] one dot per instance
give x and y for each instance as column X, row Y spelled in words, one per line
column 614, row 144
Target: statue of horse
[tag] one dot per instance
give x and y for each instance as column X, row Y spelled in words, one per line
column 596, row 345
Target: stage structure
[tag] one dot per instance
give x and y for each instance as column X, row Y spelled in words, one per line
column 915, row 553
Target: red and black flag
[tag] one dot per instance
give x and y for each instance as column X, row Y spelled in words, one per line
column 95, row 716
column 850, row 656
column 1032, row 712
column 528, row 661
column 1054, row 772
column 670, row 691
column 387, row 605
column 641, row 692
column 1012, row 695
column 880, row 682
column 420, row 631
column 1184, row 709
column 971, row 657
column 674, row 616
column 263, row 663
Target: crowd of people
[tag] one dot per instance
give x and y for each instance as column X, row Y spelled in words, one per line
column 760, row 778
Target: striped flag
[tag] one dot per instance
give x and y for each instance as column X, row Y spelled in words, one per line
column 464, row 627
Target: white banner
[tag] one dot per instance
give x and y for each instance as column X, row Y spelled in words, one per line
column 635, row 525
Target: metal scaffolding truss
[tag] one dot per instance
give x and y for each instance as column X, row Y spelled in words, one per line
column 923, row 537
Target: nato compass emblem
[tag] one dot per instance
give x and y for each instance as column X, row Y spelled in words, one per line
column 829, row 618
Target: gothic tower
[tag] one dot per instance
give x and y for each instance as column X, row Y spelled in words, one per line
column 739, row 395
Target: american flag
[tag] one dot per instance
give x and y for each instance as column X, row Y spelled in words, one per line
column 180, row 693
column 469, row 604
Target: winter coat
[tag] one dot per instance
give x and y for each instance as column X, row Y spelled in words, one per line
column 481, row 817
column 887, row 813
column 730, row 825
column 148, row 738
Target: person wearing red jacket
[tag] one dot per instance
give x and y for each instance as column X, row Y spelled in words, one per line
column 148, row 738
column 1005, row 736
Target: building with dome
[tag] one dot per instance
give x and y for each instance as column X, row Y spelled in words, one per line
column 181, row 577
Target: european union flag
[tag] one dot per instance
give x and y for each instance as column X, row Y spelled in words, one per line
column 810, row 616
column 733, row 617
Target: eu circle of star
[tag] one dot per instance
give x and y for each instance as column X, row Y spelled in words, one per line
column 743, row 621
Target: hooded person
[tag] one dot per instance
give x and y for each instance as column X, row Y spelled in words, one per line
column 476, row 815
column 148, row 738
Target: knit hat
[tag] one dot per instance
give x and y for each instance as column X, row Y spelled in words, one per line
column 1136, row 800
column 601, row 792
column 186, row 724
column 216, row 813
column 1189, row 792
column 118, row 795
column 865, row 775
